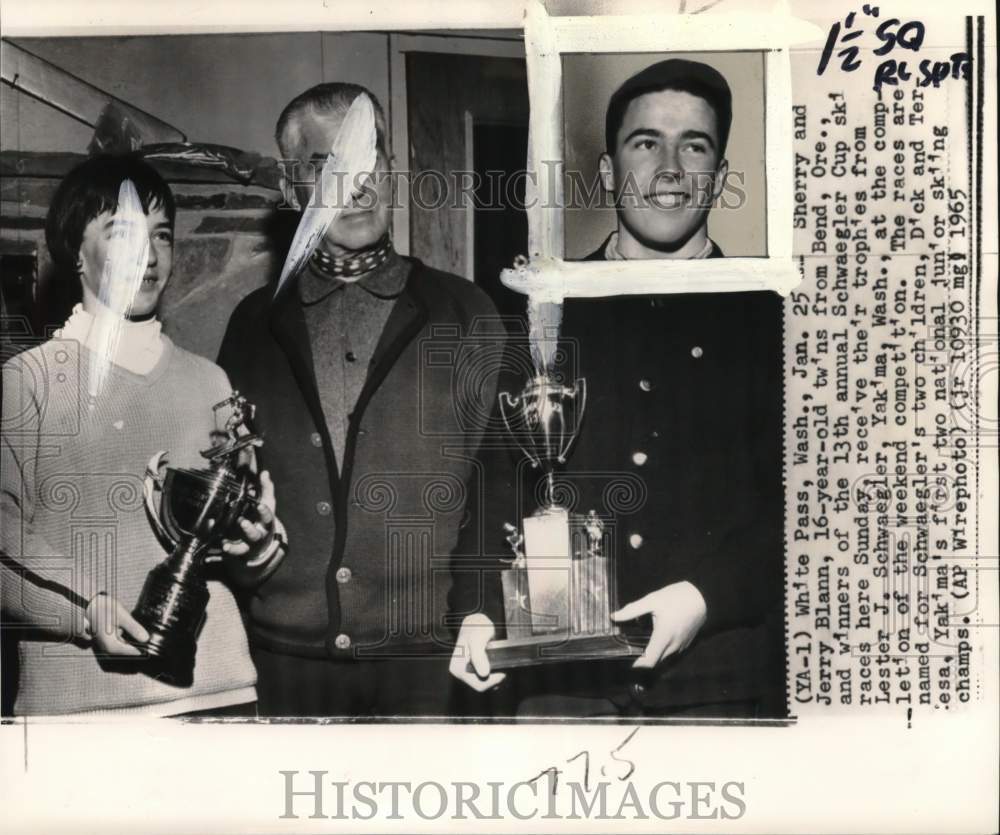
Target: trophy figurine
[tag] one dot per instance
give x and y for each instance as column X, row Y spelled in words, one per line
column 197, row 509
column 557, row 589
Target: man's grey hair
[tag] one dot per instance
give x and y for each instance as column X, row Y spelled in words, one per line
column 331, row 97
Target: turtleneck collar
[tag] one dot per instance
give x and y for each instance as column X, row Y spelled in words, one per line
column 140, row 344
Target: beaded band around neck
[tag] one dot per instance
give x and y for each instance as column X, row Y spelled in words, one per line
column 355, row 265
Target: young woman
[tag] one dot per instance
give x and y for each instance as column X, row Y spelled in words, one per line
column 74, row 536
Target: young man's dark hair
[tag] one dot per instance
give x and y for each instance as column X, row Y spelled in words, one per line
column 673, row 74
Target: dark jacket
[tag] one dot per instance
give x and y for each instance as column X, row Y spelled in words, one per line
column 370, row 546
column 681, row 447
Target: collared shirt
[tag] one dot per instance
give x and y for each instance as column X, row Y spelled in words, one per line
column 612, row 253
column 345, row 321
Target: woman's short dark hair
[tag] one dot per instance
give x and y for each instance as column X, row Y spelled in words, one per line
column 92, row 188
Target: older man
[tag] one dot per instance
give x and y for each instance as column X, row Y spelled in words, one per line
column 371, row 444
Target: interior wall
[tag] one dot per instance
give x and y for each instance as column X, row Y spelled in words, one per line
column 222, row 89
column 228, row 89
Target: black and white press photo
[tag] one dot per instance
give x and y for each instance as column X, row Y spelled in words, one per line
column 346, row 613
column 475, row 415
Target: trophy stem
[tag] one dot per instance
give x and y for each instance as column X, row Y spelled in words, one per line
column 550, row 489
column 173, row 602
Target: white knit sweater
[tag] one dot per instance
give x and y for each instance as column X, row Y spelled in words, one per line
column 73, row 524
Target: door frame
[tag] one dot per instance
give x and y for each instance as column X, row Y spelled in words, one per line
column 501, row 44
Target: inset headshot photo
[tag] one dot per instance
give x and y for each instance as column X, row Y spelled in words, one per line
column 664, row 155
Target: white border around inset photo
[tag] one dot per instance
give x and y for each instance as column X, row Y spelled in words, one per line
column 547, row 275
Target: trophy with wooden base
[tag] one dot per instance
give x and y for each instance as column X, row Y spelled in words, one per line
column 558, row 587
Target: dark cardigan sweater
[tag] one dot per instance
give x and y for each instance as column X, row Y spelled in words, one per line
column 391, row 515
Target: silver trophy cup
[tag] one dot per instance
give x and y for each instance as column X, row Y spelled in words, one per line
column 557, row 590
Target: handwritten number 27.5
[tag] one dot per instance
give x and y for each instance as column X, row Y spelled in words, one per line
column 627, row 766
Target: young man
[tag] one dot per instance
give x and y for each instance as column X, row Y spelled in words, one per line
column 680, row 447
column 370, row 441
column 666, row 131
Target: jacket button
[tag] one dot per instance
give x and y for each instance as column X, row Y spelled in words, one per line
column 343, row 574
column 315, row 439
column 342, row 641
column 350, row 356
column 323, row 508
column 697, row 352
column 639, row 458
column 637, row 690
column 646, row 385
column 635, row 540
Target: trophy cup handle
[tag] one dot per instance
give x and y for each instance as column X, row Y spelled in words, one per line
column 579, row 392
column 151, row 484
column 508, row 403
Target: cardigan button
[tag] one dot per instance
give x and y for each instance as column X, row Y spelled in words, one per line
column 646, row 385
column 635, row 540
column 343, row 575
column 323, row 508
column 315, row 439
column 639, row 458
column 342, row 641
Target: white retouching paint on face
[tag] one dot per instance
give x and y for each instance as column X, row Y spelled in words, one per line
column 118, row 248
column 350, row 161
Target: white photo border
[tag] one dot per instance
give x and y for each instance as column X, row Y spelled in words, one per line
column 547, row 275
